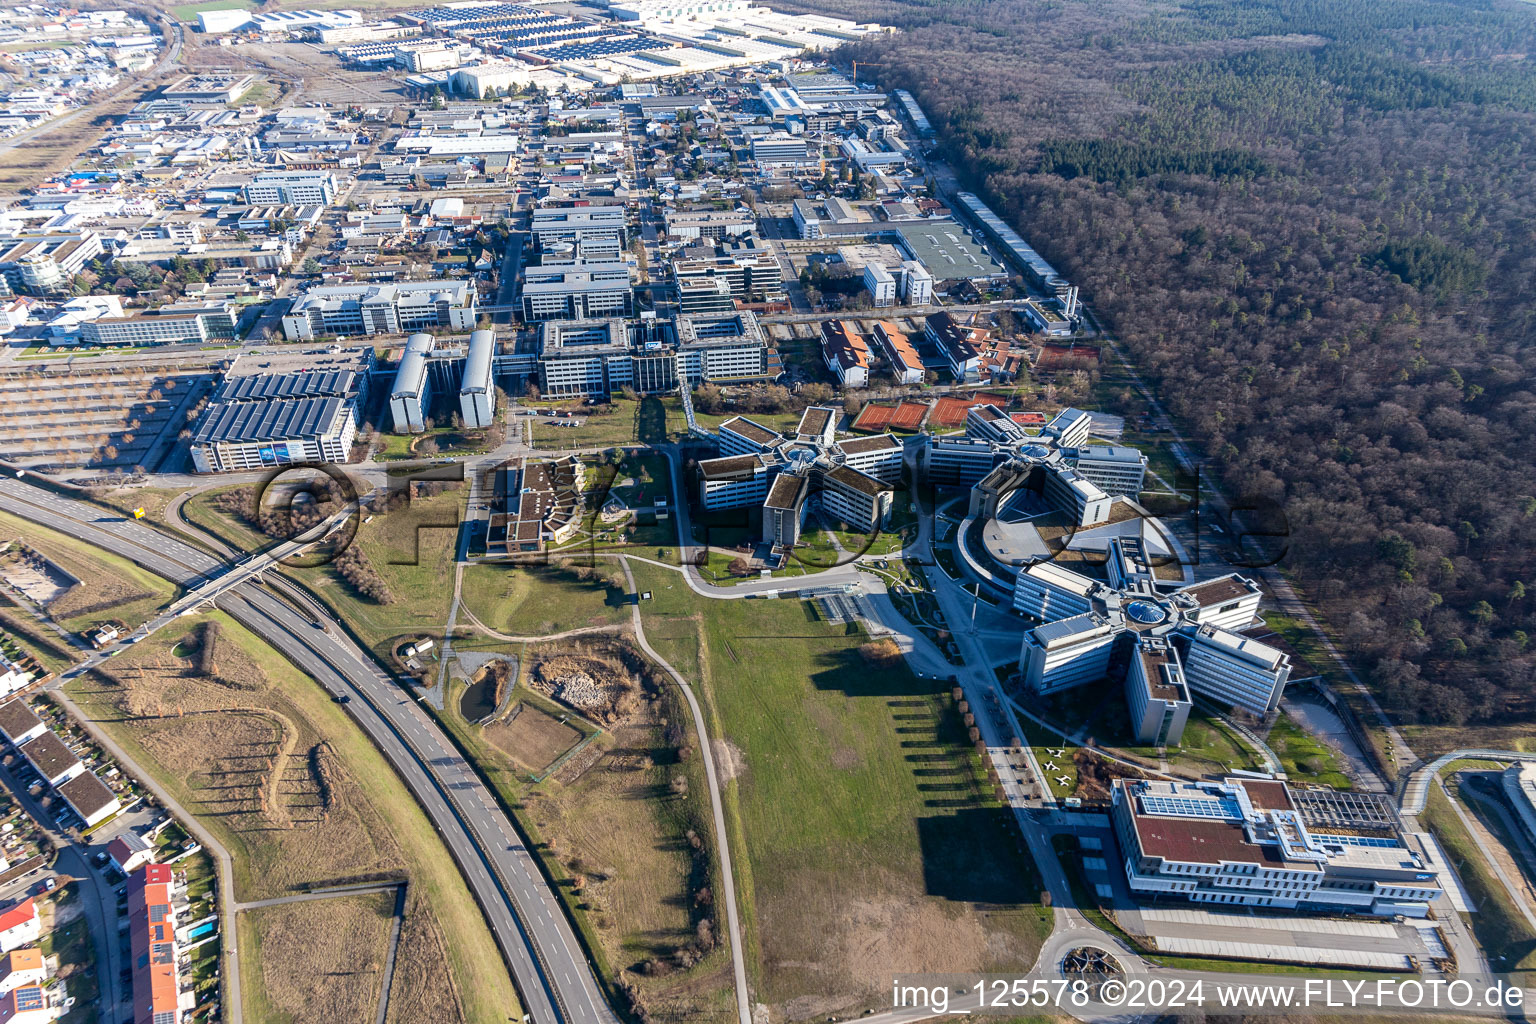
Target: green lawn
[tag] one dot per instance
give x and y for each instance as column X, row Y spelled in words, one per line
column 188, row 12
column 200, row 510
column 537, row 600
column 1303, row 756
column 861, row 814
column 1500, row 928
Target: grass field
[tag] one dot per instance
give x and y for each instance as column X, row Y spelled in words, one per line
column 1303, row 756
column 621, row 827
column 111, row 588
column 200, row 509
column 188, row 12
column 1500, row 928
column 537, row 600
column 651, row 420
column 298, row 794
column 864, row 837
column 320, row 960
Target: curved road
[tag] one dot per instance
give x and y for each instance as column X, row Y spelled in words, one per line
column 555, row 980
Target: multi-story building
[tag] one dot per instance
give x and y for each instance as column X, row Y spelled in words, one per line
column 265, row 418
column 1155, row 693
column 410, row 396
column 46, row 262
column 689, row 225
column 916, row 284
column 845, row 352
column 1236, row 670
column 749, row 268
column 906, row 365
column 849, row 481
column 957, row 343
column 1114, row 468
column 735, row 481
column 1259, row 843
column 958, row 461
column 367, row 309
column 477, row 392
column 1067, row 653
column 578, row 292
column 776, row 154
column 1047, row 591
column 294, row 188
column 599, row 228
column 598, row 357
column 185, row 323
column 880, row 285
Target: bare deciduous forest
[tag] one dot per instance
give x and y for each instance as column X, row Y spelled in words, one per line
column 1313, row 223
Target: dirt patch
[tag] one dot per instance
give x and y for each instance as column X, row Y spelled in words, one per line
column 324, row 959
column 604, row 682
column 577, row 766
column 730, row 762
column 1096, row 775
column 532, row 736
column 38, row 578
column 845, row 942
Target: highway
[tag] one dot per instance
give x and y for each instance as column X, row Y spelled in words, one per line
column 554, row 979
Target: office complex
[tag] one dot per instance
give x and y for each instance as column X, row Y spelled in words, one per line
column 292, row 188
column 1259, row 843
column 367, row 309
column 410, row 396
column 182, row 323
column 598, row 357
column 576, row 292
column 790, row 477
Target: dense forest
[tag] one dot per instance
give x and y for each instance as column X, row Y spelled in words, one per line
column 1313, row 224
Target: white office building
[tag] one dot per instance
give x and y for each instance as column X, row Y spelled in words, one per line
column 410, row 397
column 916, row 284
column 368, row 309
column 291, row 188
column 1259, row 843
column 1234, row 670
column 880, row 285
column 1047, row 591
column 1155, row 693
column 477, row 392
column 576, row 292
column 1114, row 468
column 1066, row 653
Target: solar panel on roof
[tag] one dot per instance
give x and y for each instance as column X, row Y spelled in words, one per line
column 30, row 998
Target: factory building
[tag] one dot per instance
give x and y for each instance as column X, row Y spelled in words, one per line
column 410, row 396
column 477, row 392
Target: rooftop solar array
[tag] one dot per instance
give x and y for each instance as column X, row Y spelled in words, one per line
column 1190, row 807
